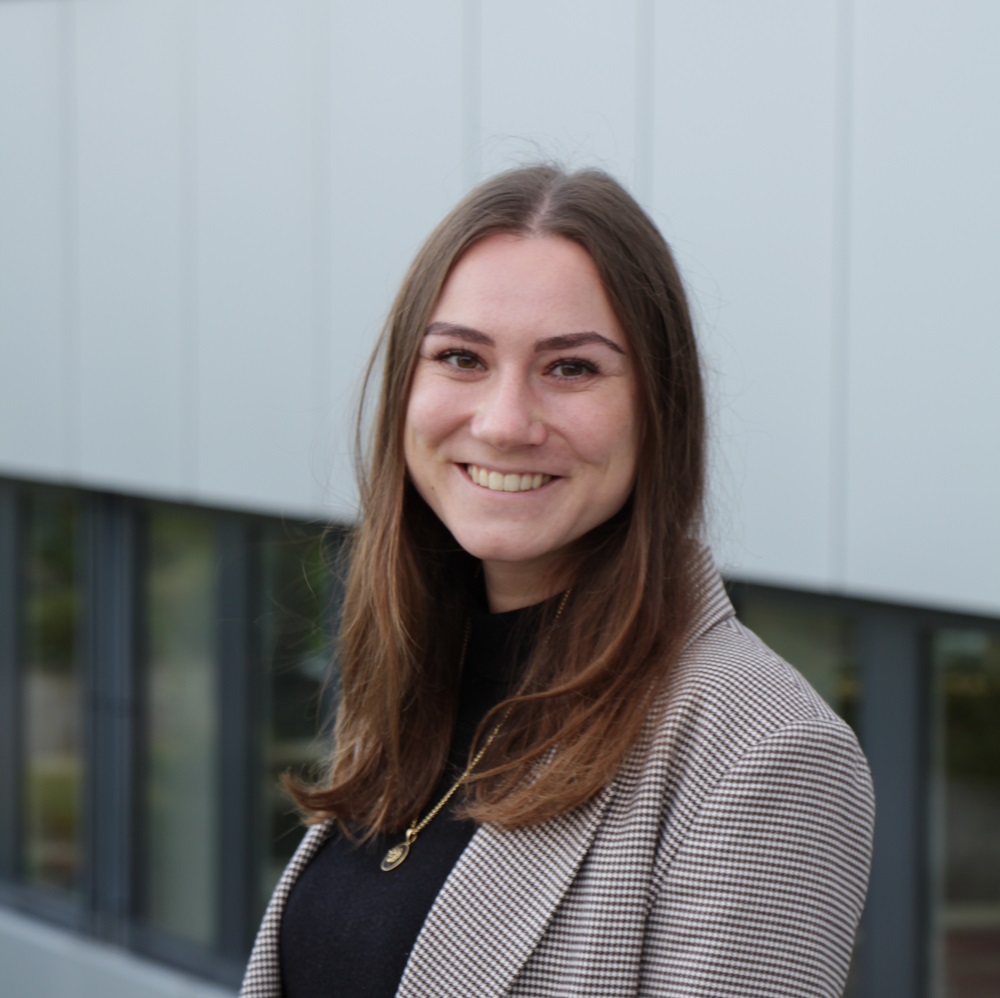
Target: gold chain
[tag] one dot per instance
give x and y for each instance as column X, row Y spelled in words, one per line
column 395, row 856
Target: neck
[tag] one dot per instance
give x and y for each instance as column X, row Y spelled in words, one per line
column 512, row 586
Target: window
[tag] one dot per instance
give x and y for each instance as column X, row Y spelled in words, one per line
column 180, row 792
column 51, row 811
column 160, row 667
column 294, row 625
column 965, row 822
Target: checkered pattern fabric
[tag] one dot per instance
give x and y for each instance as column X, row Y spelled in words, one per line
column 729, row 857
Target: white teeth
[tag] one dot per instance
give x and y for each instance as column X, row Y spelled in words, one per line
column 497, row 481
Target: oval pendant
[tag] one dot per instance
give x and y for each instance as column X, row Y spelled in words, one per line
column 395, row 856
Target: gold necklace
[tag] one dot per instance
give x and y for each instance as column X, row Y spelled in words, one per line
column 398, row 853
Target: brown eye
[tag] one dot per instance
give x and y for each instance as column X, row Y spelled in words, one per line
column 461, row 360
column 572, row 370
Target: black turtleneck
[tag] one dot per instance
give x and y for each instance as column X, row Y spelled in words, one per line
column 348, row 927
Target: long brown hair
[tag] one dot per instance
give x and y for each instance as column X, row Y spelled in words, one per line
column 589, row 683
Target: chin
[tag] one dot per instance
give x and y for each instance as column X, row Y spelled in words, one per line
column 533, row 558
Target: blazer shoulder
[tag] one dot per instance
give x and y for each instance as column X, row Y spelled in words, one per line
column 729, row 673
column 730, row 694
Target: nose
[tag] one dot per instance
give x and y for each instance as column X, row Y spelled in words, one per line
column 508, row 415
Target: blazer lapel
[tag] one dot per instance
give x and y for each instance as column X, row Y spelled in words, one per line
column 262, row 978
column 496, row 903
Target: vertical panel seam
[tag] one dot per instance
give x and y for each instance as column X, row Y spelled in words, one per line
column 190, row 369
column 840, row 318
column 71, row 384
column 645, row 99
column 322, row 240
column 472, row 44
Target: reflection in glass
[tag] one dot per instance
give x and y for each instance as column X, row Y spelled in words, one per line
column 294, row 625
column 181, row 712
column 966, row 814
column 52, row 691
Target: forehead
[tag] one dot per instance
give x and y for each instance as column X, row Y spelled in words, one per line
column 543, row 284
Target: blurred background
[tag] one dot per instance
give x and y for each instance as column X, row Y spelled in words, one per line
column 205, row 208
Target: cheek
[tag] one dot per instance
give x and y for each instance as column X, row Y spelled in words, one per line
column 433, row 414
column 414, row 437
column 419, row 415
column 629, row 430
column 427, row 429
column 417, row 459
column 609, row 435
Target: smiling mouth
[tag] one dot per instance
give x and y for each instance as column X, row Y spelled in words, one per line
column 497, row 481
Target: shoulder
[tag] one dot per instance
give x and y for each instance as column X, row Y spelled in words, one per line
column 766, row 821
column 731, row 691
column 728, row 690
column 739, row 726
column 727, row 676
column 722, row 659
column 732, row 712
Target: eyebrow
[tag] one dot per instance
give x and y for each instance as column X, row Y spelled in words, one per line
column 567, row 341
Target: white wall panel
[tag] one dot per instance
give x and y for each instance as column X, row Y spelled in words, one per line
column 397, row 164
column 35, row 357
column 559, row 81
column 128, row 250
column 925, row 326
column 258, row 91
column 743, row 184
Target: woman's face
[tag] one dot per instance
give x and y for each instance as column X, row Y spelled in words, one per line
column 522, row 423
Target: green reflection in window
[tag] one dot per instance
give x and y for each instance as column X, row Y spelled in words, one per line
column 181, row 714
column 294, row 625
column 966, row 818
column 52, row 690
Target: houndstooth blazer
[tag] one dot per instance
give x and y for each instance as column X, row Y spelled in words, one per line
column 729, row 857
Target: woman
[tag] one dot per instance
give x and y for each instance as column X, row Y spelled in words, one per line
column 562, row 767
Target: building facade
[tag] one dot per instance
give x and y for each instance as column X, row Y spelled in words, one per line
column 204, row 210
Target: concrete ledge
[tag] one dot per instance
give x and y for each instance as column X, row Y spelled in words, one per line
column 39, row 961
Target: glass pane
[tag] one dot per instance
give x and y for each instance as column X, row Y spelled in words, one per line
column 966, row 814
column 294, row 628
column 52, row 691
column 181, row 710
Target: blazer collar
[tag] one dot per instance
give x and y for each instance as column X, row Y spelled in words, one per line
column 712, row 601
